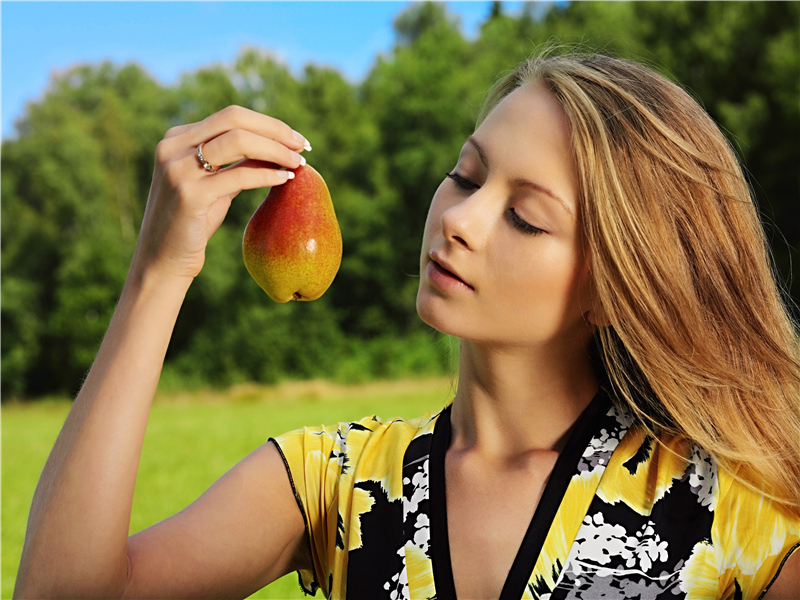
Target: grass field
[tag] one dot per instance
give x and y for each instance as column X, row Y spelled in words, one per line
column 192, row 439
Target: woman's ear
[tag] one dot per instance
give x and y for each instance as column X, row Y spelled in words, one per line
column 597, row 314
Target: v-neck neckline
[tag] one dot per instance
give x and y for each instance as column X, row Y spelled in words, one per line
column 529, row 550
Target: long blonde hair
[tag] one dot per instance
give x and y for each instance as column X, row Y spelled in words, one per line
column 700, row 343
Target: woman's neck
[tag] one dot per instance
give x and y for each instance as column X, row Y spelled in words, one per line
column 511, row 401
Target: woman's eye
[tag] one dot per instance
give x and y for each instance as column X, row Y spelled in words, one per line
column 523, row 226
column 463, row 183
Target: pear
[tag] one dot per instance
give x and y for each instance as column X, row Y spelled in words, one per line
column 292, row 245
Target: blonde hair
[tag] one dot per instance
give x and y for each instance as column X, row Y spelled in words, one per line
column 700, row 343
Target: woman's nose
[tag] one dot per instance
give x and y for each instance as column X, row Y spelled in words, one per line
column 468, row 222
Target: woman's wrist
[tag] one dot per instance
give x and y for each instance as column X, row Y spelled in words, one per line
column 153, row 280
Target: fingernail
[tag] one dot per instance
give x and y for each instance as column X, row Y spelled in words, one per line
column 301, row 139
column 299, row 157
column 289, row 175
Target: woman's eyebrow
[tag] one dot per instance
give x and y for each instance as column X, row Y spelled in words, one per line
column 481, row 153
column 520, row 181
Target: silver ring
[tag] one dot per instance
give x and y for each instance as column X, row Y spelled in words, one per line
column 206, row 165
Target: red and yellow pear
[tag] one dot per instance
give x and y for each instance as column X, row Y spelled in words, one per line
column 292, row 245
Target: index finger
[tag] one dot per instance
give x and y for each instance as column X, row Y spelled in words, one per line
column 238, row 117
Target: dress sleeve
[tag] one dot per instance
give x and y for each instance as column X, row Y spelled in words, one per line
column 314, row 470
column 754, row 538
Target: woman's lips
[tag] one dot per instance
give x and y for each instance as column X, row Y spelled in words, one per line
column 444, row 278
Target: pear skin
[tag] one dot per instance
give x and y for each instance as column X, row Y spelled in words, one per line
column 292, row 245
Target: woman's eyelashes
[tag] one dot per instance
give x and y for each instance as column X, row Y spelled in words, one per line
column 511, row 214
column 462, row 182
column 523, row 226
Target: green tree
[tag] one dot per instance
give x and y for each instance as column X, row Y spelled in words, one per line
column 424, row 100
column 742, row 59
column 75, row 181
column 74, row 186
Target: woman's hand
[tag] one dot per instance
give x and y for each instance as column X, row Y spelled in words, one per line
column 187, row 202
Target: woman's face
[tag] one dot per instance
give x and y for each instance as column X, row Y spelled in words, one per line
column 503, row 259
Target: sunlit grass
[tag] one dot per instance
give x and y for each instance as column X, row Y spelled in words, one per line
column 192, row 439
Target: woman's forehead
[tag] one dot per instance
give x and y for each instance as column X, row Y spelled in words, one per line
column 527, row 137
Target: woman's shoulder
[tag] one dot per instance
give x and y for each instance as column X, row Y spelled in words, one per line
column 749, row 523
column 368, row 426
column 351, row 438
column 751, row 535
column 668, row 493
column 740, row 511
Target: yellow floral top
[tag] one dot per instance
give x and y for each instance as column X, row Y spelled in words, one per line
column 621, row 516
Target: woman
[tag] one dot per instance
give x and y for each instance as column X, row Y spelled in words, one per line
column 628, row 407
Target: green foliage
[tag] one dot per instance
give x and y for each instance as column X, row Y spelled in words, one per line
column 74, row 187
column 75, row 181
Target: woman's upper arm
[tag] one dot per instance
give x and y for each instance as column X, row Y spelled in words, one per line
column 244, row 532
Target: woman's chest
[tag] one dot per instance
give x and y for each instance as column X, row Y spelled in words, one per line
column 614, row 519
column 489, row 510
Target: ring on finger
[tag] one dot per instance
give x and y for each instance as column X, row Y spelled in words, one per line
column 205, row 164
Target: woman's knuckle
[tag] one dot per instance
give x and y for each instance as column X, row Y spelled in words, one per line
column 237, row 136
column 173, row 131
column 163, row 151
column 235, row 113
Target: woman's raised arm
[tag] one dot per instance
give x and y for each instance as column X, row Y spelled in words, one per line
column 77, row 542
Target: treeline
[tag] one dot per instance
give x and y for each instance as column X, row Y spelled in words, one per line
column 76, row 176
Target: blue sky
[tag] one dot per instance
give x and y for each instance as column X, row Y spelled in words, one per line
column 169, row 38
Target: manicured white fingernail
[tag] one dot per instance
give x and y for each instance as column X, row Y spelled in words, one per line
column 301, row 139
column 289, row 175
column 299, row 157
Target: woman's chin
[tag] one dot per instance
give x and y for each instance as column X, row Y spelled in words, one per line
column 435, row 316
column 440, row 318
column 425, row 312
